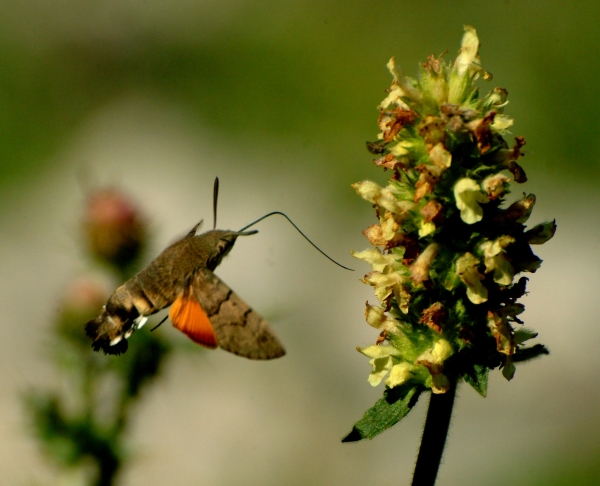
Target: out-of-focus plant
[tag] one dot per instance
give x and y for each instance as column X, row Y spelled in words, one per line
column 447, row 250
column 82, row 426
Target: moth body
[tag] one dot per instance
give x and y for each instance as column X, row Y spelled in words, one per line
column 202, row 306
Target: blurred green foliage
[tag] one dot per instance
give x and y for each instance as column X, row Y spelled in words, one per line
column 310, row 71
column 83, row 424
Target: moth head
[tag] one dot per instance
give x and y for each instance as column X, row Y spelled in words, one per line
column 219, row 243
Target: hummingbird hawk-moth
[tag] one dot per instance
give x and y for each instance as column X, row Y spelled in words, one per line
column 202, row 306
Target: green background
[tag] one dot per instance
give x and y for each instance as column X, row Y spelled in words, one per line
column 277, row 99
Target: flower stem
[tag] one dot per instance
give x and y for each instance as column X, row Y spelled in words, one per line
column 435, row 432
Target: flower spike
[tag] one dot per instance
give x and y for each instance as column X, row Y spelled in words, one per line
column 447, row 250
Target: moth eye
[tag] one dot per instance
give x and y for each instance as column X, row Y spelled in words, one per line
column 222, row 246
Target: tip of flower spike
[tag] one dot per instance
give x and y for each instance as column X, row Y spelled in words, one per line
column 468, row 55
column 402, row 84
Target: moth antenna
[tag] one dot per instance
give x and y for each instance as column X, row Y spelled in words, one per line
column 299, row 231
column 159, row 323
column 215, row 199
column 195, row 228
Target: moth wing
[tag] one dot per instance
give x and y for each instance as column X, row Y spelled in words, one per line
column 187, row 315
column 239, row 329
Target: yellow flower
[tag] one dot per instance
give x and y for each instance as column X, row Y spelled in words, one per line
column 376, row 317
column 381, row 361
column 495, row 185
column 433, row 360
column 379, row 261
column 468, row 60
column 501, row 329
column 384, row 197
column 495, row 259
column 388, row 284
column 403, row 87
column 440, row 156
column 426, row 229
column 467, row 67
column 400, row 374
column 466, row 269
column 468, row 196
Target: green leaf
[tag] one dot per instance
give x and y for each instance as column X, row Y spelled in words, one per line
column 524, row 334
column 387, row 411
column 508, row 370
column 142, row 363
column 525, row 354
column 477, row 377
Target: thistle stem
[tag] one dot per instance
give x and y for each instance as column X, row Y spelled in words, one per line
column 435, row 432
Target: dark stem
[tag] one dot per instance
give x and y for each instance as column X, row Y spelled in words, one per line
column 435, row 432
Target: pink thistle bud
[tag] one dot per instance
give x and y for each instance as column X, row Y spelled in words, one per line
column 115, row 229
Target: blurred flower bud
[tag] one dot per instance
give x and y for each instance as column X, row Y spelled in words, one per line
column 115, row 229
column 82, row 300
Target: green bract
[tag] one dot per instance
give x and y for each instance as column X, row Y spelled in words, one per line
column 447, row 250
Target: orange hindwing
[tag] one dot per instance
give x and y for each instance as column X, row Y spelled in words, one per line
column 187, row 316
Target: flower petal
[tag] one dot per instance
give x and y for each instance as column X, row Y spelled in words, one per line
column 399, row 374
column 405, row 88
column 495, row 259
column 466, row 269
column 496, row 185
column 468, row 195
column 377, row 351
column 502, row 331
column 433, row 360
column 376, row 317
column 384, row 197
column 468, row 54
column 377, row 260
column 419, row 270
column 381, row 367
column 440, row 156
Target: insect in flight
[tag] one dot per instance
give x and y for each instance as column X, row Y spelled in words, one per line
column 202, row 306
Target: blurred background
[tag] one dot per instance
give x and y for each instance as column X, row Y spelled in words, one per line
column 277, row 99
